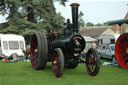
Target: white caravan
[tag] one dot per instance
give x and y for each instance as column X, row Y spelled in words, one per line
column 12, row 46
column 108, row 38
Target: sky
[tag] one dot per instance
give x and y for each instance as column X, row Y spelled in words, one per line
column 95, row 11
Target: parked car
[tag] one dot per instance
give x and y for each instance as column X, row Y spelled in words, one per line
column 106, row 51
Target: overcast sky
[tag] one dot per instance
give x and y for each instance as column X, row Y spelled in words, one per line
column 95, row 11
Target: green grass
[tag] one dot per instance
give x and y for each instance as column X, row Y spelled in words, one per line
column 22, row 74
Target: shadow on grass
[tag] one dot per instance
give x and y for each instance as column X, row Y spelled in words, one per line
column 79, row 71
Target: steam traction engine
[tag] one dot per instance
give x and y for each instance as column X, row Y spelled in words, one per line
column 62, row 49
column 121, row 48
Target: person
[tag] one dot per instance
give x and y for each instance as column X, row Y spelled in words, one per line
column 27, row 54
column 93, row 44
column 68, row 28
column 83, row 54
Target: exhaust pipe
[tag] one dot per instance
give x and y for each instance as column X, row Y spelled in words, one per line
column 74, row 7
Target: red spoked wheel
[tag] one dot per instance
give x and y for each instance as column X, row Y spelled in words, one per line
column 92, row 62
column 38, row 51
column 57, row 62
column 121, row 50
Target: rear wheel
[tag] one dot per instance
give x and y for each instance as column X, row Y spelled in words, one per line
column 121, row 50
column 38, row 51
column 92, row 62
column 57, row 62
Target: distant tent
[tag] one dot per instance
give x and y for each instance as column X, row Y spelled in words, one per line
column 89, row 39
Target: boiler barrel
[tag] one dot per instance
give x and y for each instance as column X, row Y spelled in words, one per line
column 74, row 43
column 62, row 43
column 119, row 22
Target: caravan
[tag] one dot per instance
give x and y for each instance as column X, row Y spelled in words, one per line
column 108, row 38
column 12, row 46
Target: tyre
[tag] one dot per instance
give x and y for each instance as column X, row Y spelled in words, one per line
column 38, row 51
column 92, row 62
column 57, row 62
column 121, row 50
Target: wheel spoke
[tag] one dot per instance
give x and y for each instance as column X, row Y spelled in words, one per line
column 34, row 45
column 92, row 59
column 124, row 54
column 123, row 47
column 125, row 59
column 35, row 61
column 93, row 68
column 55, row 63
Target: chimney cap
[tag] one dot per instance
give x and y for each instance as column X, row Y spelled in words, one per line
column 75, row 5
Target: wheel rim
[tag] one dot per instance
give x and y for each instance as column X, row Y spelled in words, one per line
column 121, row 50
column 55, row 63
column 91, row 63
column 33, row 54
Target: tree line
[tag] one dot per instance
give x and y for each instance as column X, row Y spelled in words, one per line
column 28, row 16
column 98, row 24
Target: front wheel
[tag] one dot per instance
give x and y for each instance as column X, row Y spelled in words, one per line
column 92, row 62
column 57, row 62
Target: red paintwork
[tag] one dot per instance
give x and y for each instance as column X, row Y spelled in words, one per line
column 55, row 63
column 121, row 50
column 32, row 52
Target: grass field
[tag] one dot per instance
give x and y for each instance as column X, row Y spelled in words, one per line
column 22, row 74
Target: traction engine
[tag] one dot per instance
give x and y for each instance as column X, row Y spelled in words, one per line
column 63, row 48
column 121, row 47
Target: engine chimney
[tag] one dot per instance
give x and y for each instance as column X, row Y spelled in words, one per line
column 74, row 7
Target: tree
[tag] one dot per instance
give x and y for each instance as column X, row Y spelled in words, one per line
column 106, row 23
column 62, row 2
column 89, row 24
column 34, row 10
column 53, row 22
column 98, row 24
column 28, row 16
column 80, row 19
